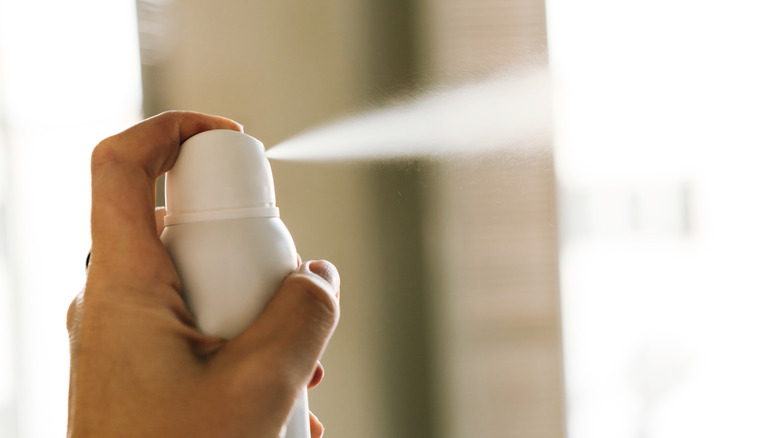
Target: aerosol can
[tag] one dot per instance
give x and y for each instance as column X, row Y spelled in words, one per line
column 225, row 237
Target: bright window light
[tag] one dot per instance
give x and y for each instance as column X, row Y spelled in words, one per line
column 69, row 76
column 667, row 155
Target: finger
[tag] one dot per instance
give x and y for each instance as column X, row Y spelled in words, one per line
column 317, row 429
column 156, row 140
column 124, row 169
column 294, row 328
column 316, row 378
column 73, row 318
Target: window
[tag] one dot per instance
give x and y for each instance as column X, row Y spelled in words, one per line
column 69, row 76
column 666, row 154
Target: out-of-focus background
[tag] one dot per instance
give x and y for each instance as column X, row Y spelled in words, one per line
column 591, row 250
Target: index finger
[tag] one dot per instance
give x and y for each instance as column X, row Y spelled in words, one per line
column 124, row 169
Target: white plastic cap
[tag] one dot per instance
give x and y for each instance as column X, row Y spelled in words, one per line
column 219, row 174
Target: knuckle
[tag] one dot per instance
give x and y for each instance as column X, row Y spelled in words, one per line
column 74, row 312
column 170, row 113
column 316, row 296
column 171, row 118
column 105, row 154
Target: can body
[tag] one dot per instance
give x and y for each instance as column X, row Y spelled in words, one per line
column 226, row 240
column 229, row 269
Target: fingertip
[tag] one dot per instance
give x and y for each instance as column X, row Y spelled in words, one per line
column 316, row 378
column 309, row 288
column 295, row 325
column 226, row 123
column 317, row 429
column 327, row 271
column 191, row 123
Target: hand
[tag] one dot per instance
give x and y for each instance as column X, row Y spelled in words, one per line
column 139, row 365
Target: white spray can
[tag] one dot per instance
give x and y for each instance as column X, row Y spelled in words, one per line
column 224, row 235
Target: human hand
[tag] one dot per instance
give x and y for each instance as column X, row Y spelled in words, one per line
column 139, row 365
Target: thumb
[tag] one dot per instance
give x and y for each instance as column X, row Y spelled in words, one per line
column 282, row 347
column 299, row 320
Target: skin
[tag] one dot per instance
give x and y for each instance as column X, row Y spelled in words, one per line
column 139, row 365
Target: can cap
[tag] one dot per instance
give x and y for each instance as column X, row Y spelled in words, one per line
column 219, row 174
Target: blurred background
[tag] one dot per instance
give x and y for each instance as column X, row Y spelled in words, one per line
column 596, row 256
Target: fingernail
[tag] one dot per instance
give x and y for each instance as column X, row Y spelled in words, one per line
column 327, row 271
